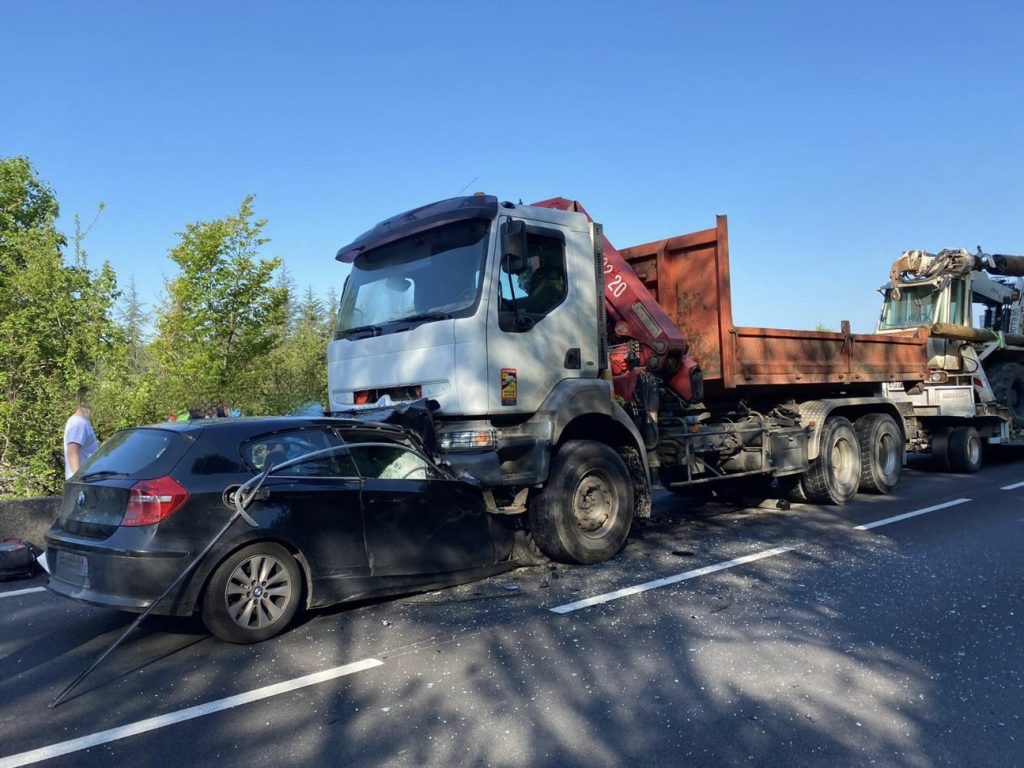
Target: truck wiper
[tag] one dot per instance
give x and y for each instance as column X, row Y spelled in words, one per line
column 423, row 316
column 369, row 330
column 102, row 474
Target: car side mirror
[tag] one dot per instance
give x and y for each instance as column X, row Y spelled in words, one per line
column 513, row 246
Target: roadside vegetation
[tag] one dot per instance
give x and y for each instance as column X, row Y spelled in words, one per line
column 230, row 328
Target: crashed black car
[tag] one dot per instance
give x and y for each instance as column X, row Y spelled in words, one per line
column 350, row 510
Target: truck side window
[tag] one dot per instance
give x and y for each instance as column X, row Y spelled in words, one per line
column 540, row 286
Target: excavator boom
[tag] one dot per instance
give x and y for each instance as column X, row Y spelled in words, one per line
column 1000, row 264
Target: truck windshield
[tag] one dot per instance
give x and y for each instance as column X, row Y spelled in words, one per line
column 431, row 275
column 915, row 306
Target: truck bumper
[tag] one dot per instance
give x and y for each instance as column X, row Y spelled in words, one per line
column 521, row 460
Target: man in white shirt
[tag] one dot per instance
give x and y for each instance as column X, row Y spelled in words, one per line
column 79, row 438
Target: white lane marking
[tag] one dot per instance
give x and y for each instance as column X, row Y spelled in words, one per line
column 16, row 592
column 626, row 592
column 1012, row 487
column 142, row 726
column 915, row 513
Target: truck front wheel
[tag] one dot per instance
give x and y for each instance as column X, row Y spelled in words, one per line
column 881, row 452
column 834, row 476
column 584, row 512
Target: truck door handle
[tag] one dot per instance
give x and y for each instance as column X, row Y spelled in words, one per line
column 573, row 359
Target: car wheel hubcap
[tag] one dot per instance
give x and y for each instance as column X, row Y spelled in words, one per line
column 258, row 591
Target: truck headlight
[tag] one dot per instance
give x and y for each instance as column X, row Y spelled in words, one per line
column 469, row 440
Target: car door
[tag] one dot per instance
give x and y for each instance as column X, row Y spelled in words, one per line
column 418, row 522
column 313, row 502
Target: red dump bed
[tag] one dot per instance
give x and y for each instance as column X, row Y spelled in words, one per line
column 689, row 277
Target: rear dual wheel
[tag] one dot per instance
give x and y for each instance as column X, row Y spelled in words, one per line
column 958, row 450
column 834, row 476
column 881, row 452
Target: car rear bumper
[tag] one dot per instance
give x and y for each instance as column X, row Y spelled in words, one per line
column 125, row 580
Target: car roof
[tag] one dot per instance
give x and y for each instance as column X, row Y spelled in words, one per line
column 259, row 424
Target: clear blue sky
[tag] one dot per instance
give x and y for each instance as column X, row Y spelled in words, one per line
column 834, row 135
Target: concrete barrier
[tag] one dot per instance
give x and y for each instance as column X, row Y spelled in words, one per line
column 28, row 518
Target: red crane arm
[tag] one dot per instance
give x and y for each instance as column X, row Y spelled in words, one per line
column 638, row 316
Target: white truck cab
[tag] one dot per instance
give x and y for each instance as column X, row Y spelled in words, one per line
column 492, row 310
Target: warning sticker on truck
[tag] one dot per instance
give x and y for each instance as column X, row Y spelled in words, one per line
column 509, row 386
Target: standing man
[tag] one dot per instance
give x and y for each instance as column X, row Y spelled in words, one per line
column 79, row 438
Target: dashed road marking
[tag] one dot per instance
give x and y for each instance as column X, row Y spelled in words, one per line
column 190, row 713
column 915, row 513
column 1012, row 487
column 626, row 592
column 151, row 724
column 16, row 592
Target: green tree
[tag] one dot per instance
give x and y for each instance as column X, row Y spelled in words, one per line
column 127, row 390
column 54, row 325
column 295, row 373
column 222, row 315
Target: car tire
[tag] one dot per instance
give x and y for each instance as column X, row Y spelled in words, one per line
column 965, row 450
column 584, row 512
column 253, row 594
column 881, row 452
column 526, row 552
column 833, row 477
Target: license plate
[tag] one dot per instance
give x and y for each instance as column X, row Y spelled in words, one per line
column 72, row 566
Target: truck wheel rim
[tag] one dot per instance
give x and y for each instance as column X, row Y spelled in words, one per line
column 974, row 451
column 889, row 454
column 843, row 467
column 594, row 503
column 258, row 591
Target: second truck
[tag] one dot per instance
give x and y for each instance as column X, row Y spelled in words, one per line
column 567, row 377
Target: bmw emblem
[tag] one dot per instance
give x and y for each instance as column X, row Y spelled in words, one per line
column 80, row 501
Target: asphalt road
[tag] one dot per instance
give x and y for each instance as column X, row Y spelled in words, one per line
column 775, row 637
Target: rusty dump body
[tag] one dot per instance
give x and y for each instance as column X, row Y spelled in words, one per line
column 689, row 277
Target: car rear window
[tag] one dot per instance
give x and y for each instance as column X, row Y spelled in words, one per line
column 138, row 452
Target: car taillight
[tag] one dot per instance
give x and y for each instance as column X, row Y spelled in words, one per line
column 150, row 501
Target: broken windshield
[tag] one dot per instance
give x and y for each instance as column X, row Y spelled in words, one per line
column 428, row 276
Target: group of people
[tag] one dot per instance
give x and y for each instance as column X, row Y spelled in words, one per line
column 219, row 411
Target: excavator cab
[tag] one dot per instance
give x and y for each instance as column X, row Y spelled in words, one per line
column 953, row 288
column 925, row 303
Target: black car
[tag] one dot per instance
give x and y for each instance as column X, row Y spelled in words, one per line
column 350, row 510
